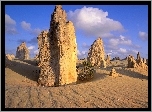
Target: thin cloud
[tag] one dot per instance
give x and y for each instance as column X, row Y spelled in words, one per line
column 31, row 47
column 143, row 35
column 82, row 54
column 9, row 20
column 36, row 31
column 19, row 41
column 33, row 41
column 84, row 45
column 36, row 51
column 122, row 50
column 25, row 25
column 10, row 25
column 122, row 40
column 10, row 30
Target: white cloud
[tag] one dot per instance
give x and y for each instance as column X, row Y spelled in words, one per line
column 25, row 25
column 10, row 30
column 82, row 54
column 122, row 50
column 9, row 20
column 121, row 40
column 10, row 25
column 36, row 51
column 114, row 42
column 31, row 47
column 94, row 21
column 122, row 37
column 126, row 42
column 78, row 52
column 132, row 52
column 143, row 35
column 36, row 31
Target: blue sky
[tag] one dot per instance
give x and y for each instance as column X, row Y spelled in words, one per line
column 123, row 28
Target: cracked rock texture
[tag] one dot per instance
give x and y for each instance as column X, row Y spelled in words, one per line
column 59, row 65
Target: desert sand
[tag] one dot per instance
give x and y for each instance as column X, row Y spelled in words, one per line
column 129, row 90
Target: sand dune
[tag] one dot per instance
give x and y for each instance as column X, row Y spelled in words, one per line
column 129, row 90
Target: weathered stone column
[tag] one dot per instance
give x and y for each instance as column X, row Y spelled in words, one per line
column 96, row 53
column 63, row 51
column 22, row 51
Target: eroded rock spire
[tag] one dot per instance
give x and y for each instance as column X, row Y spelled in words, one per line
column 61, row 65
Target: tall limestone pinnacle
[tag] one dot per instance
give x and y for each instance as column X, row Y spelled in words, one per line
column 96, row 53
column 22, row 51
column 59, row 67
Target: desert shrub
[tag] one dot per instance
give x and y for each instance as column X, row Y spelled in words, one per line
column 86, row 72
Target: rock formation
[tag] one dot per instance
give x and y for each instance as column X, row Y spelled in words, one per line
column 141, row 62
column 22, row 52
column 138, row 63
column 115, row 58
column 36, row 57
column 58, row 54
column 96, row 53
column 126, row 58
column 8, row 60
column 138, row 55
column 103, row 64
column 108, row 59
column 147, row 62
column 144, row 61
column 44, row 48
column 12, row 56
column 138, row 60
column 131, row 62
column 8, row 56
column 113, row 73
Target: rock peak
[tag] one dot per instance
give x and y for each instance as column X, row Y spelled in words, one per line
column 99, row 38
column 58, row 7
column 96, row 53
column 22, row 51
column 58, row 17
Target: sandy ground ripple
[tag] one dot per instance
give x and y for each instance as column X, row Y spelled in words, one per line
column 130, row 90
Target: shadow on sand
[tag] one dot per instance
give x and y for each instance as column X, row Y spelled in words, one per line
column 123, row 71
column 31, row 62
column 131, row 73
column 29, row 71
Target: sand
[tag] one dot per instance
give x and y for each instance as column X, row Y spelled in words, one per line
column 129, row 90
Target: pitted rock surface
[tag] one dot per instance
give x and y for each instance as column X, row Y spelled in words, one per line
column 59, row 67
column 96, row 53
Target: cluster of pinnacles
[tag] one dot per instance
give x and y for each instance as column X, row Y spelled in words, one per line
column 58, row 53
column 139, row 62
